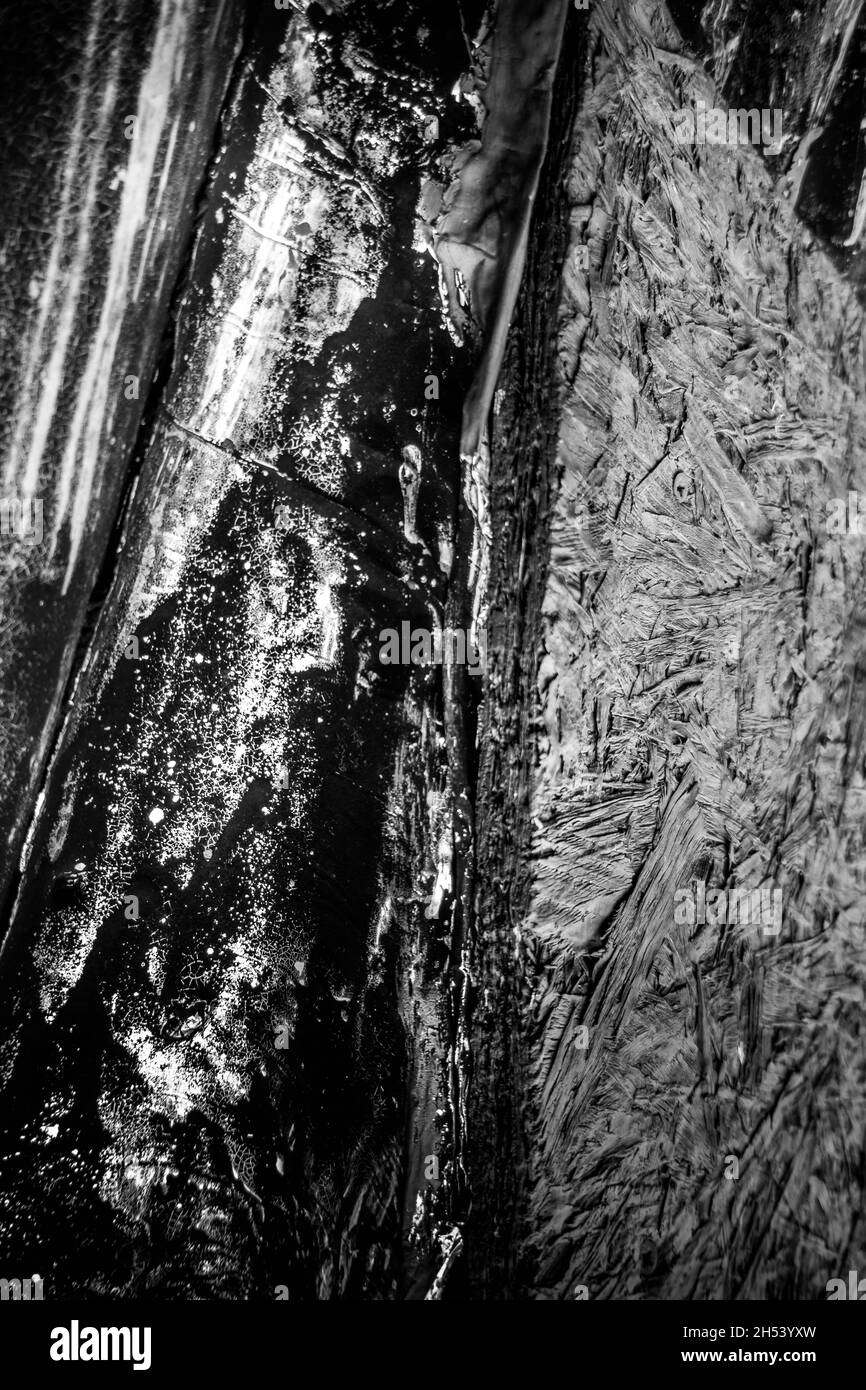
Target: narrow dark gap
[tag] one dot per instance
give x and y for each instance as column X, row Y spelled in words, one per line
column 521, row 485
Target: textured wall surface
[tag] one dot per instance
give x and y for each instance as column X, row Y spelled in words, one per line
column 690, row 680
column 324, row 977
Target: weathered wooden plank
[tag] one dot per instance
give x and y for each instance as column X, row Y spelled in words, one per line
column 107, row 115
column 220, row 978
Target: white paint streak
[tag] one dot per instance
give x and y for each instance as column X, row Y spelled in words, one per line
column 98, row 390
column 38, row 406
